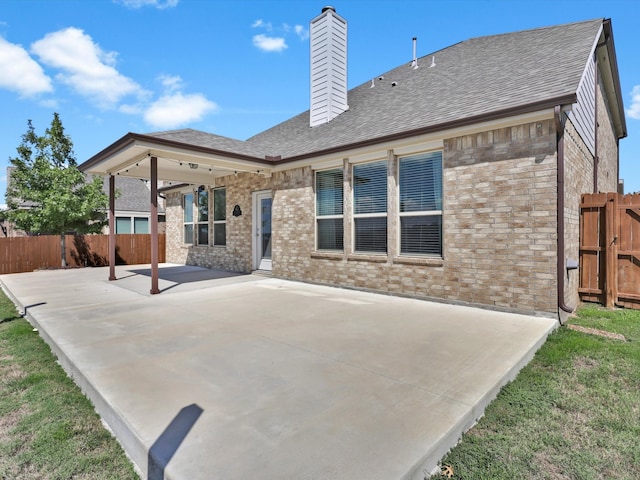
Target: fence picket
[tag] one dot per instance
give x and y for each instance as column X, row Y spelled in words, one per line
column 26, row 254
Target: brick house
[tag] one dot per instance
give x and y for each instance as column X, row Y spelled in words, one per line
column 455, row 177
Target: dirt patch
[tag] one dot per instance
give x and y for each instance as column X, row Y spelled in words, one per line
column 595, row 331
column 9, row 370
column 546, row 465
column 10, row 420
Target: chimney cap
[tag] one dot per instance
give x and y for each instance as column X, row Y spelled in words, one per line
column 328, row 7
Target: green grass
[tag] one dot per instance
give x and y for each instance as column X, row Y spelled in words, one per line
column 572, row 413
column 48, row 429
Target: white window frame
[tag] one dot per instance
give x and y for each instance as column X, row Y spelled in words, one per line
column 196, row 218
column 327, row 217
column 132, row 217
column 355, row 216
column 192, row 222
column 421, row 213
column 215, row 222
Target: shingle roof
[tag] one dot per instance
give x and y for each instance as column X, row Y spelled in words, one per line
column 472, row 78
column 210, row 140
column 134, row 195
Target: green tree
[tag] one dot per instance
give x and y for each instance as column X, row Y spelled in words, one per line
column 47, row 194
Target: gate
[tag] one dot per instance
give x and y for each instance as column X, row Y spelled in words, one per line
column 610, row 249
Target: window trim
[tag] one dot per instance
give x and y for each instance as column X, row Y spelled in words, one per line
column 327, row 217
column 422, row 213
column 355, row 216
column 192, row 222
column 215, row 222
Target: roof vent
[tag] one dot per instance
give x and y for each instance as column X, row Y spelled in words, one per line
column 414, row 62
column 328, row 32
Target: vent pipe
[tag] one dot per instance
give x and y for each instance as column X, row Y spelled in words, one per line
column 414, row 62
column 328, row 40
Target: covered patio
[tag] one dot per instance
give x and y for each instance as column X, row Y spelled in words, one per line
column 185, row 157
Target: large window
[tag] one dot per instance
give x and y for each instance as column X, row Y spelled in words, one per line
column 187, row 219
column 219, row 216
column 420, row 183
column 370, row 207
column 132, row 225
column 329, row 210
column 203, row 217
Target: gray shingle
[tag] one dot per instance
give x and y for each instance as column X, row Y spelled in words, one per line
column 209, row 140
column 134, row 195
column 475, row 77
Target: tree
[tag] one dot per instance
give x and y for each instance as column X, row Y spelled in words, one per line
column 47, row 194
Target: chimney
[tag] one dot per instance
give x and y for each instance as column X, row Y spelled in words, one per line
column 328, row 34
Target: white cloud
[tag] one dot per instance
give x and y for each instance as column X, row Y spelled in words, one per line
column 85, row 67
column 159, row 4
column 259, row 23
column 21, row 73
column 171, row 83
column 302, row 32
column 177, row 109
column 269, row 44
column 634, row 110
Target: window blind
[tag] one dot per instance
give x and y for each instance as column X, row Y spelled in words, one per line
column 370, row 188
column 421, row 183
column 329, row 192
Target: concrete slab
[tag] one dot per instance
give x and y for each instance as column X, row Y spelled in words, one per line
column 227, row 376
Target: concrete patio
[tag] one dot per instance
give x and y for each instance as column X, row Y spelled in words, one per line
column 236, row 377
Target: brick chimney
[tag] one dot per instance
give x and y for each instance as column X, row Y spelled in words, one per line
column 328, row 34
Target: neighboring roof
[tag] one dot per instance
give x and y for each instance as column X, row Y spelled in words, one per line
column 470, row 79
column 134, row 194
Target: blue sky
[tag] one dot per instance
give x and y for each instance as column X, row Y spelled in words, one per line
column 237, row 67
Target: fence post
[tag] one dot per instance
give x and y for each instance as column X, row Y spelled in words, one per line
column 611, row 262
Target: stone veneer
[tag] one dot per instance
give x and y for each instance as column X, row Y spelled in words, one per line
column 499, row 222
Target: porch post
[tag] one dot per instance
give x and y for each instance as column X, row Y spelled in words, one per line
column 154, row 226
column 112, row 227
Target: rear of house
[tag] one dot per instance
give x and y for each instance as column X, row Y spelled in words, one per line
column 456, row 176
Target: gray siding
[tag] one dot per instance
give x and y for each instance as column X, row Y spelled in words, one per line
column 583, row 114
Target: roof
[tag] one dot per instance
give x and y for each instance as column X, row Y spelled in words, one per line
column 470, row 79
column 480, row 79
column 210, row 141
column 134, row 195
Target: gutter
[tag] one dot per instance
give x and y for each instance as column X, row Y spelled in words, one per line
column 557, row 113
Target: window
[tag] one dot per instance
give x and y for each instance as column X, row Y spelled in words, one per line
column 219, row 216
column 123, row 225
column 187, row 208
column 203, row 217
column 140, row 225
column 370, row 207
column 420, row 186
column 329, row 213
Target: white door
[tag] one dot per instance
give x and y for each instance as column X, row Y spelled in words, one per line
column 262, row 230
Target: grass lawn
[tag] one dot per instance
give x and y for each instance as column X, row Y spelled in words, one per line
column 48, row 429
column 573, row 412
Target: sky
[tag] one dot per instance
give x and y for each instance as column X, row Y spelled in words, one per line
column 238, row 67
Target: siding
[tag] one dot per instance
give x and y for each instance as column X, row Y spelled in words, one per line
column 583, row 114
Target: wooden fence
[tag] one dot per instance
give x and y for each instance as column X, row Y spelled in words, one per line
column 25, row 254
column 610, row 249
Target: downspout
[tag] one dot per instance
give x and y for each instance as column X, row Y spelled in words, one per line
column 596, row 159
column 557, row 111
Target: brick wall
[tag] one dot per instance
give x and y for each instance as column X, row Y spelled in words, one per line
column 499, row 216
column 578, row 179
